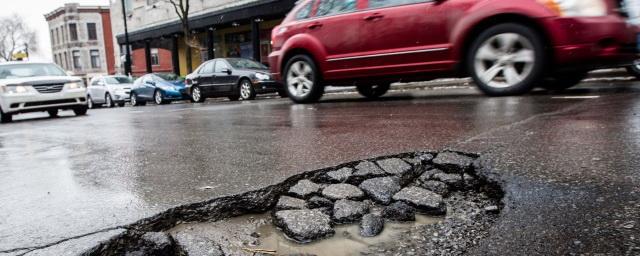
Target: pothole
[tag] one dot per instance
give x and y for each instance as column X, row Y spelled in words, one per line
column 416, row 203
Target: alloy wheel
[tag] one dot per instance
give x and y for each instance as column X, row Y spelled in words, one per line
column 196, row 94
column 89, row 102
column 300, row 79
column 158, row 97
column 108, row 101
column 504, row 60
column 245, row 90
column 134, row 100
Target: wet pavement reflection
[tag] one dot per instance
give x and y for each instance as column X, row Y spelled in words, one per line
column 70, row 176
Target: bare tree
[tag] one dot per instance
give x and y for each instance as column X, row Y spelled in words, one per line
column 15, row 35
column 181, row 8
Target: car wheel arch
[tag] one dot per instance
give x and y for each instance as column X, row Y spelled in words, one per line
column 466, row 38
column 299, row 51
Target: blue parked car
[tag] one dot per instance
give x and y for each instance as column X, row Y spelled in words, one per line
column 159, row 88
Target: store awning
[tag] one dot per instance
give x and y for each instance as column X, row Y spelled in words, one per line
column 258, row 9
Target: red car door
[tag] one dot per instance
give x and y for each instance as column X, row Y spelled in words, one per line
column 403, row 36
column 335, row 25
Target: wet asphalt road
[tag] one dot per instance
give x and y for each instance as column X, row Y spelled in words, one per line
column 569, row 161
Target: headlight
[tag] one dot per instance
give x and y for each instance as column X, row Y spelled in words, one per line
column 74, row 85
column 261, row 76
column 576, row 8
column 14, row 89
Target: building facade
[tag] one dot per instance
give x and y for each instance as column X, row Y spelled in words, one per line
column 223, row 28
column 82, row 39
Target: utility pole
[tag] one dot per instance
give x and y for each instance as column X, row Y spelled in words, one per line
column 127, row 58
column 26, row 51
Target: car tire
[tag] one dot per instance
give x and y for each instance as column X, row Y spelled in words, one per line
column 563, row 81
column 53, row 112
column 303, row 81
column 80, row 110
column 245, row 90
column 5, row 118
column 234, row 97
column 196, row 95
column 373, row 91
column 282, row 93
column 108, row 101
column 90, row 102
column 634, row 69
column 514, row 51
column 135, row 101
column 158, row 98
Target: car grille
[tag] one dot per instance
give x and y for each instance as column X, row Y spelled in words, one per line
column 48, row 88
column 49, row 102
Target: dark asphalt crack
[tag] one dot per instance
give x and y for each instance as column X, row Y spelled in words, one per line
column 39, row 247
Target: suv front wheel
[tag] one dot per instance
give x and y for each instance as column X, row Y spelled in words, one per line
column 507, row 59
column 5, row 118
column 302, row 80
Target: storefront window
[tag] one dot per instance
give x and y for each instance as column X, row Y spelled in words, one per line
column 238, row 45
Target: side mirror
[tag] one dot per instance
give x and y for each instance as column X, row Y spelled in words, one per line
column 226, row 70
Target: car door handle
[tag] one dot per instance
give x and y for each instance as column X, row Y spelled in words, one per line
column 375, row 16
column 314, row 25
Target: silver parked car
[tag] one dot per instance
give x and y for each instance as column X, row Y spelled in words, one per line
column 109, row 91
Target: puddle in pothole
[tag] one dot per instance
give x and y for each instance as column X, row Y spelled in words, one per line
column 237, row 236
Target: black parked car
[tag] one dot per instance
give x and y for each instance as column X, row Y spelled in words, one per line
column 235, row 78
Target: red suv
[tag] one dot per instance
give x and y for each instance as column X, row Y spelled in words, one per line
column 507, row 46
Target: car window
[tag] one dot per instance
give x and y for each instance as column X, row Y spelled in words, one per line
column 245, row 64
column 207, row 68
column 117, row 80
column 221, row 65
column 10, row 71
column 305, row 11
column 146, row 79
column 95, row 82
column 387, row 3
column 331, row 7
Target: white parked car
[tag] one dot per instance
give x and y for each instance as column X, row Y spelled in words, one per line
column 34, row 87
column 109, row 91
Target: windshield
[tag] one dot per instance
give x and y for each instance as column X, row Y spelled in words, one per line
column 118, row 80
column 245, row 64
column 167, row 76
column 30, row 70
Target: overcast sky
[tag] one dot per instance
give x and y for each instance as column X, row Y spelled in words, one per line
column 33, row 12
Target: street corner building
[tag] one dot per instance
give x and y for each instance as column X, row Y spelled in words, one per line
column 223, row 28
column 81, row 39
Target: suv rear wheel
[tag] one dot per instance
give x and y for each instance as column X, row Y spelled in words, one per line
column 373, row 91
column 302, row 80
column 507, row 59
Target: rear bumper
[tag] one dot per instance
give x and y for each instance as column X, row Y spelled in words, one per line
column 592, row 42
column 34, row 102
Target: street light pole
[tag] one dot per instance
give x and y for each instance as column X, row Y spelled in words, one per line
column 127, row 58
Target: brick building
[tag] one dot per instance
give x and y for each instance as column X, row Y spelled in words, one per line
column 82, row 39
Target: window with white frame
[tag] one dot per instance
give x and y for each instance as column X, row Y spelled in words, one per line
column 95, row 58
column 155, row 59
